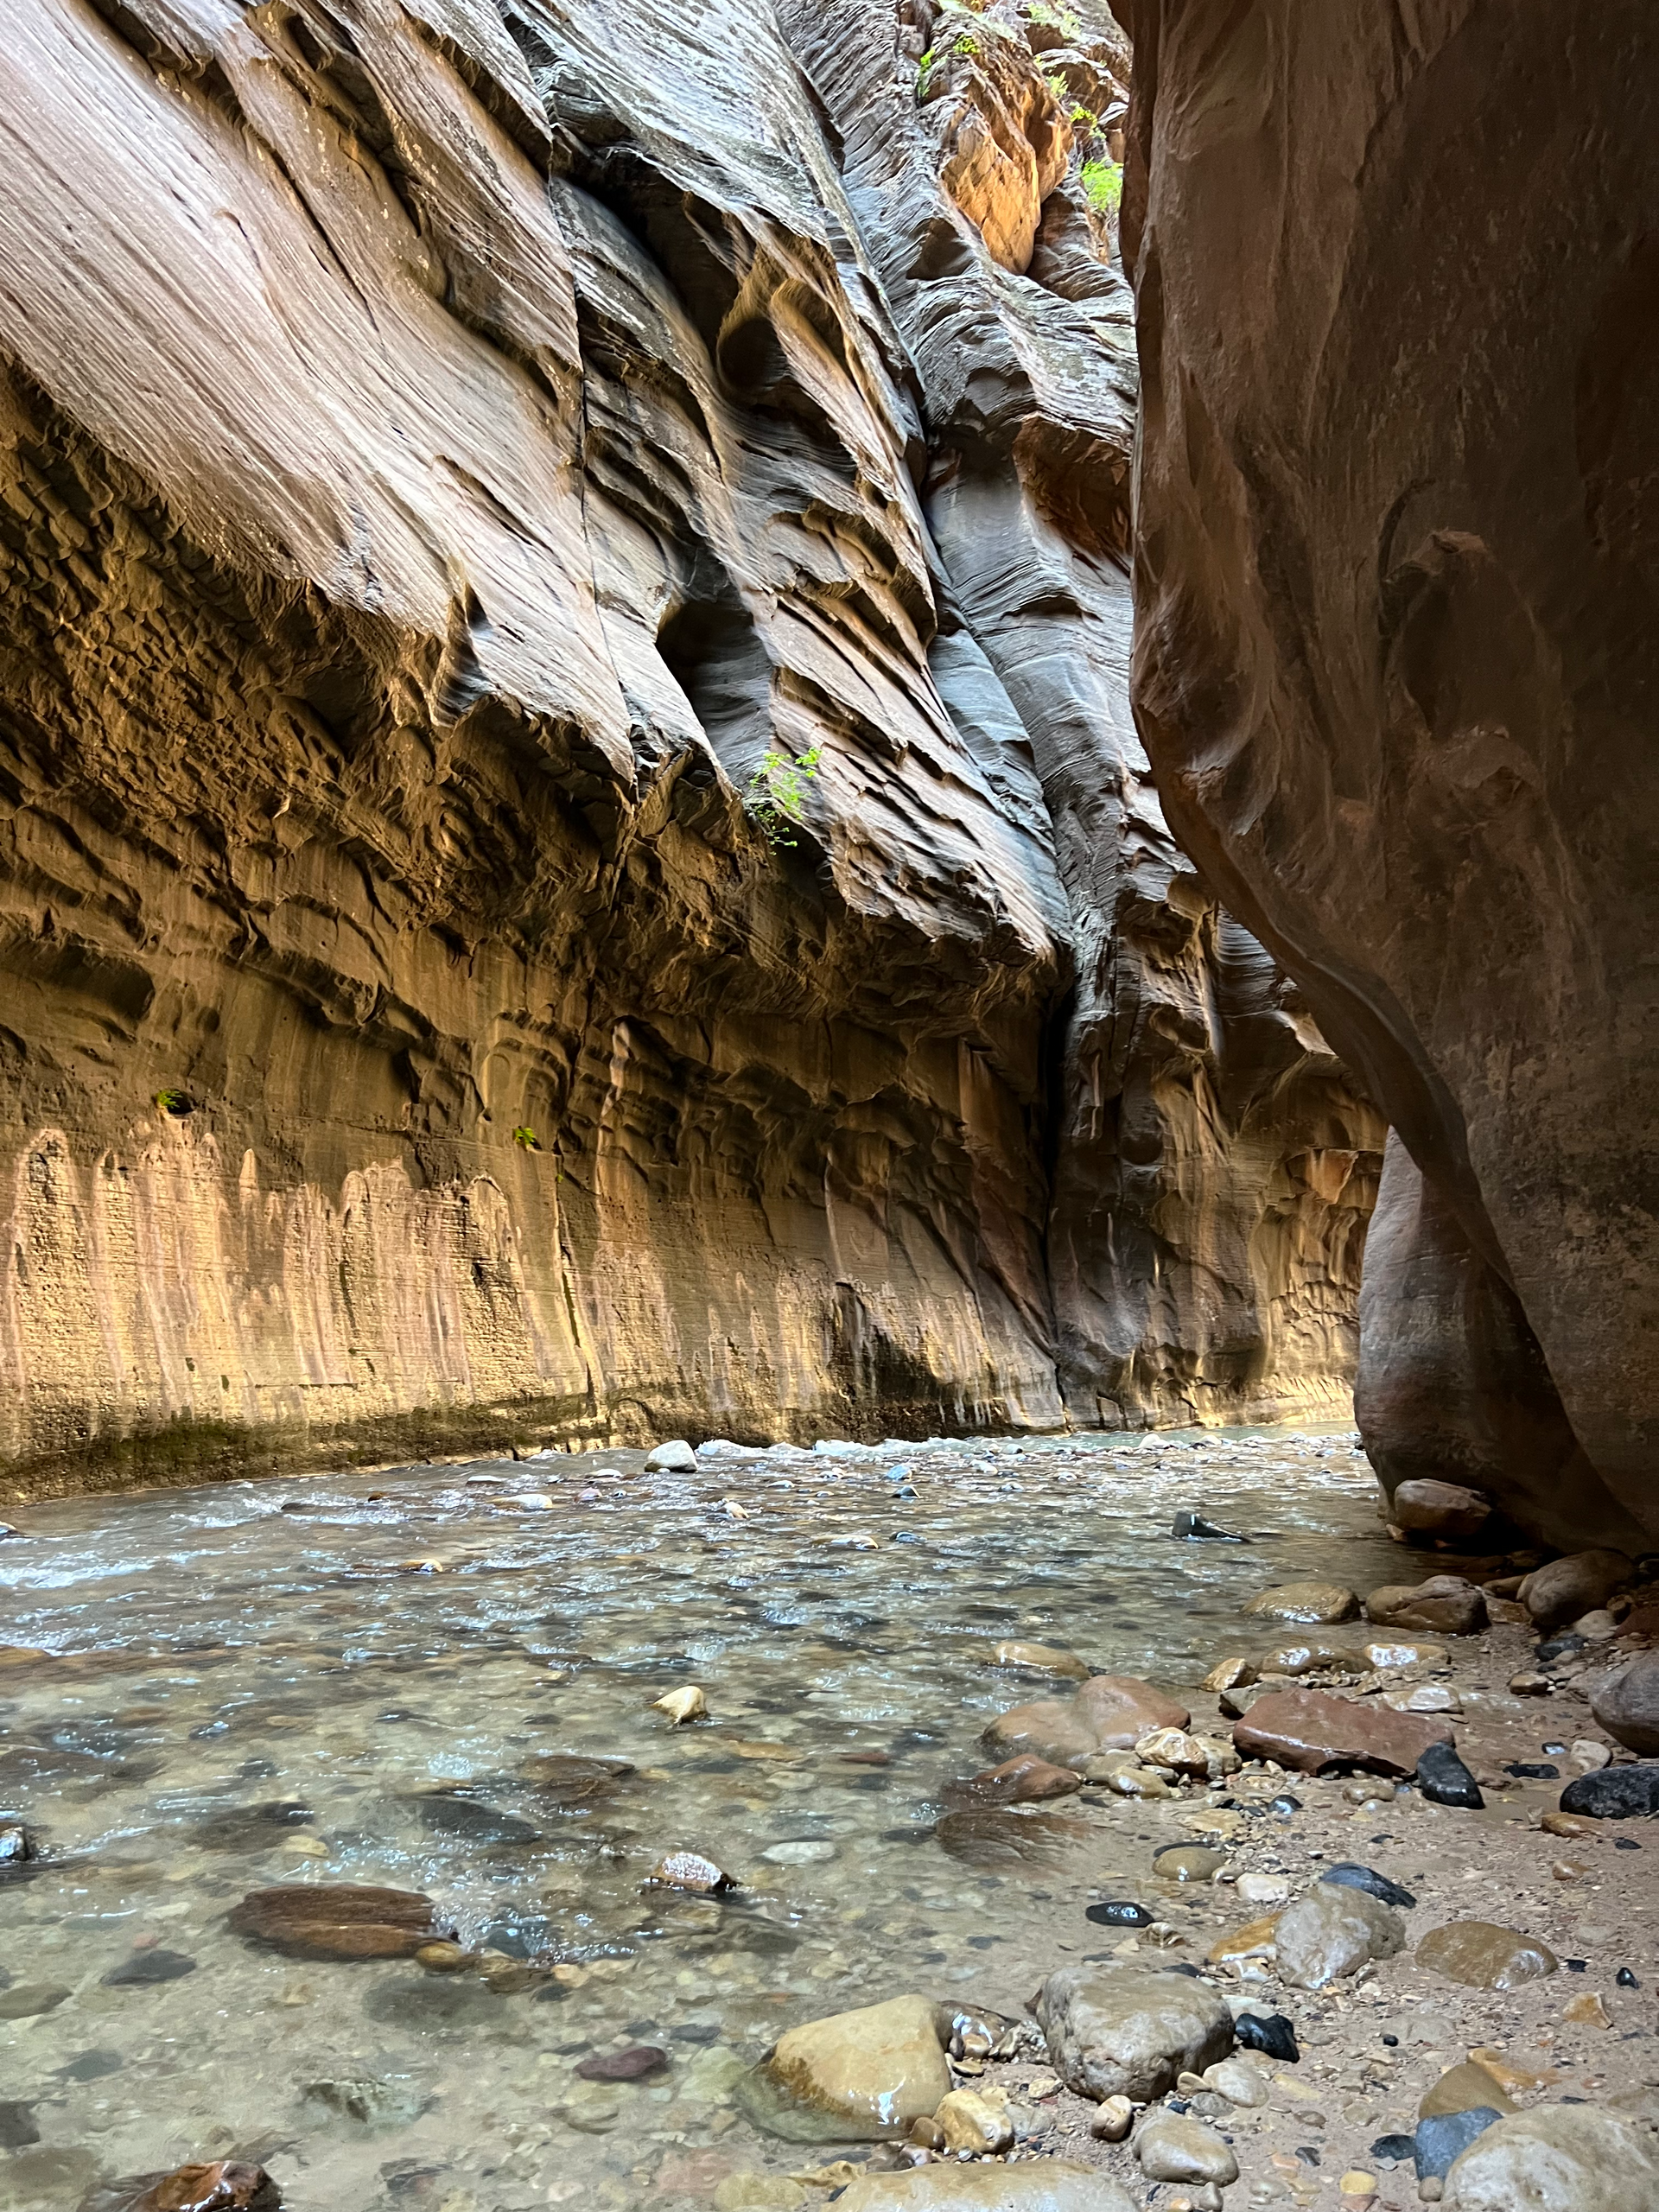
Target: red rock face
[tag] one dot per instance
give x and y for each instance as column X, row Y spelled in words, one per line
column 1396, row 586
column 413, row 1038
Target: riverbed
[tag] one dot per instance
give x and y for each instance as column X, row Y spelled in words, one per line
column 362, row 1679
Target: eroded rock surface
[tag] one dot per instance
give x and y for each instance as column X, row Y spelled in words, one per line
column 1396, row 580
column 463, row 447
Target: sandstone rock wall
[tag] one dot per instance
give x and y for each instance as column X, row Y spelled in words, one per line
column 1397, row 581
column 445, row 446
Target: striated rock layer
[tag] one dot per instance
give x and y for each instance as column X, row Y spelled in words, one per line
column 447, row 449
column 1397, row 591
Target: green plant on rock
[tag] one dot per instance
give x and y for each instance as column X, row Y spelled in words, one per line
column 1104, row 182
column 171, row 1101
column 774, row 798
column 526, row 1139
column 1058, row 19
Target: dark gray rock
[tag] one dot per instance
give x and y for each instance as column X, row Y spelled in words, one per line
column 1349, row 1876
column 1444, row 1780
column 1448, row 2135
column 1615, row 1793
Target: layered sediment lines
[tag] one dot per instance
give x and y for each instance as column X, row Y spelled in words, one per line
column 447, row 452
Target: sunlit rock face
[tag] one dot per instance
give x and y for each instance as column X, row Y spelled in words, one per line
column 1396, row 588
column 444, row 445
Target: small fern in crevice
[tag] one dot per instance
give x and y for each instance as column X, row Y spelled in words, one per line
column 774, row 798
column 175, row 1102
column 525, row 1138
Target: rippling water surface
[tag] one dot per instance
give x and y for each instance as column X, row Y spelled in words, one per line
column 258, row 1683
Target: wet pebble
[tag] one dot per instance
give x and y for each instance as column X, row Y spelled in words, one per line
column 145, row 1967
column 634, row 2064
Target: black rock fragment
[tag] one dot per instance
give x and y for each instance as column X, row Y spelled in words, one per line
column 1392, row 2150
column 1348, row 1876
column 1525, row 1771
column 1626, row 1980
column 1559, row 1647
column 1285, row 1806
column 1195, row 1525
column 1444, row 1779
column 1615, row 1793
column 1118, row 1912
column 1270, row 2033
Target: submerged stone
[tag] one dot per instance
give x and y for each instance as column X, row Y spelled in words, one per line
column 337, row 1920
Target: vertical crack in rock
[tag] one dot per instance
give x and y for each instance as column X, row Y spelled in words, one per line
column 445, row 449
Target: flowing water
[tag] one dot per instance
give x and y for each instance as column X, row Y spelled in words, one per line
column 360, row 1678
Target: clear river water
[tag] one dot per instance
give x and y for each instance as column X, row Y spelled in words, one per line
column 370, row 1678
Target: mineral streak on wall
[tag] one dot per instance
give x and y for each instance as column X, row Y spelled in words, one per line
column 444, row 445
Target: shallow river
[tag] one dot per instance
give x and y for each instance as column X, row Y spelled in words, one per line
column 258, row 1683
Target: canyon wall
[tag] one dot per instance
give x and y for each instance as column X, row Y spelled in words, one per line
column 1397, row 655
column 449, row 450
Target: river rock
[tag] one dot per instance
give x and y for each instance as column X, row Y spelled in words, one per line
column 1130, row 2031
column 1121, row 1772
column 637, row 2064
column 1305, row 1601
column 1042, row 2186
column 1347, row 1876
column 1040, row 1659
column 863, row 2075
column 1446, row 1605
column 1238, row 2081
column 1428, row 1508
column 339, row 1919
column 674, row 1457
column 1558, row 2158
column 1579, row 1583
column 1444, row 1780
column 1468, row 2087
column 1235, row 1673
column 1173, row 2146
column 1311, row 1657
column 1627, row 1705
column 29, row 2000
column 1026, row 1780
column 1387, row 1655
column 1484, row 1956
column 1262, row 1889
column 221, row 2185
column 969, row 2123
column 1121, row 1709
column 684, row 1704
column 1333, row 1932
column 1188, row 1862
column 143, row 1969
column 1444, row 2137
column 1175, row 1752
column 1614, row 1793
column 690, row 1870
column 1314, row 1732
column 1049, row 1728
column 1270, row 2033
